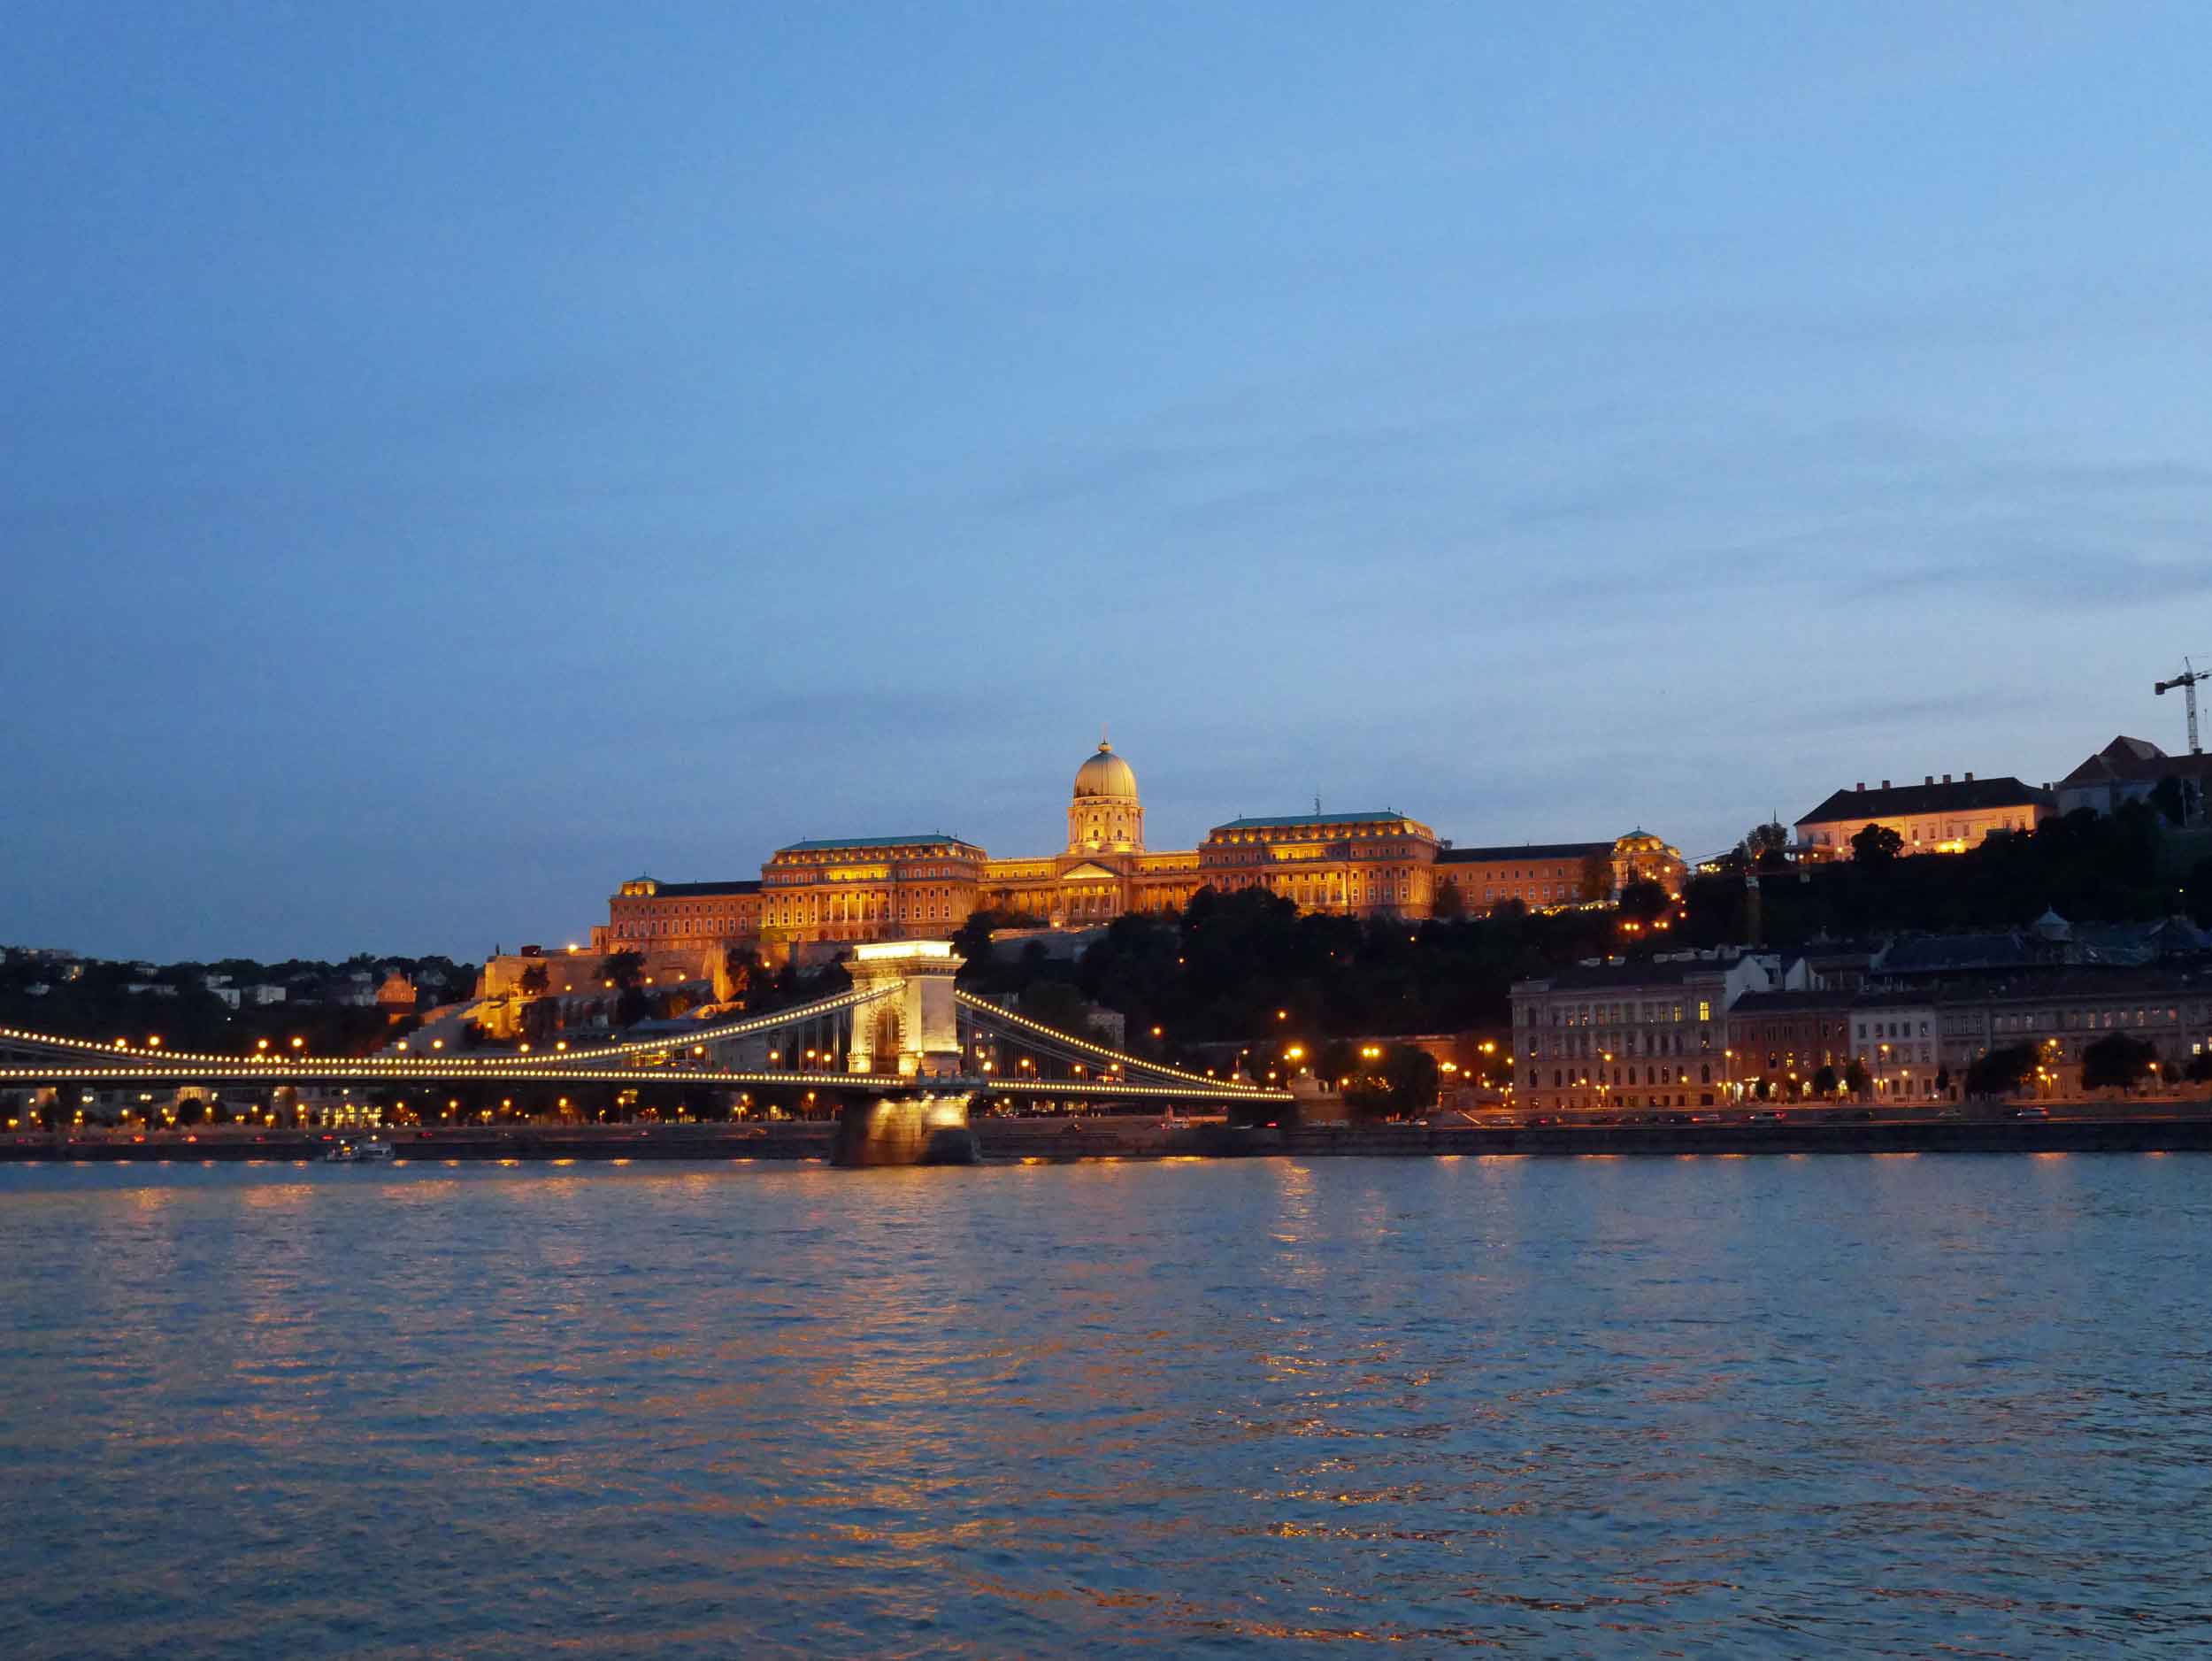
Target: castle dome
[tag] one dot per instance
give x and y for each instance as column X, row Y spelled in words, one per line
column 1105, row 773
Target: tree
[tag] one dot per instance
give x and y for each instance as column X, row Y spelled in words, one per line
column 534, row 980
column 541, row 1018
column 1597, row 877
column 1060, row 1007
column 2176, row 798
column 740, row 969
column 1335, row 1062
column 1943, row 1081
column 60, row 1108
column 1644, row 901
column 1877, row 845
column 624, row 969
column 2116, row 1062
column 1404, row 1081
column 1450, row 904
column 1825, row 1081
column 1855, row 1079
column 972, row 943
column 2200, row 1067
column 1764, row 846
column 2000, row 1072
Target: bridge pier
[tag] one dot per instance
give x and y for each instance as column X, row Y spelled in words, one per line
column 917, row 1032
column 908, row 1130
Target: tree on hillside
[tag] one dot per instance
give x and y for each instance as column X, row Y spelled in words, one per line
column 1877, row 845
column 1597, row 878
column 1765, row 844
column 1061, row 1007
column 971, row 944
column 2199, row 893
column 1644, row 901
column 2180, row 799
column 1449, row 904
column 534, row 980
column 2116, row 1062
column 740, row 975
column 623, row 969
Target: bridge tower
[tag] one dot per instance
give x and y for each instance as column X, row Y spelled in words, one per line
column 916, row 1026
column 915, row 1030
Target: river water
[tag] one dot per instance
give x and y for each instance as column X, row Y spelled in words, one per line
column 1701, row 1406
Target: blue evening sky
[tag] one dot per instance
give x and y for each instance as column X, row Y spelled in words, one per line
column 457, row 457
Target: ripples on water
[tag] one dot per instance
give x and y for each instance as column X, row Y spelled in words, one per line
column 1881, row 1406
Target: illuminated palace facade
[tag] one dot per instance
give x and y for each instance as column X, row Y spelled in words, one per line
column 885, row 888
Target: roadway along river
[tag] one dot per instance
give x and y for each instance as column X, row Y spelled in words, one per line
column 1701, row 1406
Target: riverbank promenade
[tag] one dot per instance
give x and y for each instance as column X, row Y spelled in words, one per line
column 2168, row 1125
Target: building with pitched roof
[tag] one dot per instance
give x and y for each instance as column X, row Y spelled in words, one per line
column 1930, row 817
column 2129, row 770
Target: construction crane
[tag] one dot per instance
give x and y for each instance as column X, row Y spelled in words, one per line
column 2187, row 681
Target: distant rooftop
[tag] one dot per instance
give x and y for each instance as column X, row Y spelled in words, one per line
column 1969, row 795
column 1317, row 821
column 681, row 890
column 2136, row 759
column 1592, row 976
column 1526, row 850
column 826, row 844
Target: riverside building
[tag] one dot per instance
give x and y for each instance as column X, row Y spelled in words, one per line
column 1648, row 1034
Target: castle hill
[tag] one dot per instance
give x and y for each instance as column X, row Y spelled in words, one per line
column 1961, row 962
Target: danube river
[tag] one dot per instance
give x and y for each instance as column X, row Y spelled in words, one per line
column 1699, row 1406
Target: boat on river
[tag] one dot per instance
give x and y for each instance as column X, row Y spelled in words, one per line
column 349, row 1152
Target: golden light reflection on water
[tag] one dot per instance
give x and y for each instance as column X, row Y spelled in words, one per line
column 1066, row 1408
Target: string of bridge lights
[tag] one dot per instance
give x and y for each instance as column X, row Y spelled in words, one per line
column 1070, row 1040
column 151, row 1062
column 399, row 1065
column 1211, row 1090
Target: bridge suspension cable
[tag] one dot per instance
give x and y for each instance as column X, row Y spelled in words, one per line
column 167, row 1061
column 1036, row 1035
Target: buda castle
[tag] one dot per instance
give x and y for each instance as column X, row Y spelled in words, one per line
column 1381, row 863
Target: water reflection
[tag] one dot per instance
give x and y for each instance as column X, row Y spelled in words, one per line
column 1552, row 1407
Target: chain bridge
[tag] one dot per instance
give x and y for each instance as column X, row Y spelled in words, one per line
column 905, row 1051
